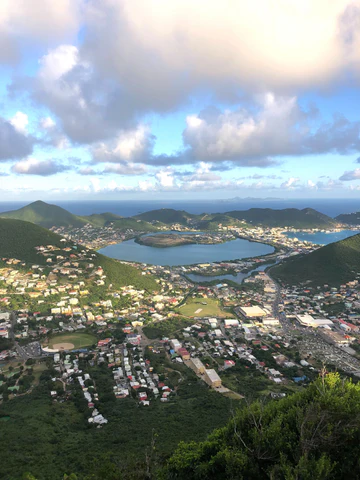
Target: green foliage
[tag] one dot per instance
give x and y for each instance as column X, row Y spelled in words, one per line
column 288, row 217
column 121, row 274
column 18, row 239
column 166, row 328
column 349, row 218
column 295, row 438
column 56, row 439
column 46, row 215
column 333, row 264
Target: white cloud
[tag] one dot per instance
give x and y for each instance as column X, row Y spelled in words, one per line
column 275, row 126
column 129, row 146
column 20, row 121
column 165, row 178
column 291, row 183
column 32, row 166
column 276, row 45
column 127, row 168
column 57, row 63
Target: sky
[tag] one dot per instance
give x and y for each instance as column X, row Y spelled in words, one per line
column 176, row 99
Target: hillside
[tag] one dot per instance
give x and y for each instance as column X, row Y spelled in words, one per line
column 46, row 215
column 168, row 216
column 288, row 217
column 267, row 217
column 333, row 264
column 349, row 218
column 297, row 437
column 18, row 240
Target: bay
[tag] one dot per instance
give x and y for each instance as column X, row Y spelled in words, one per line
column 186, row 254
column 322, row 238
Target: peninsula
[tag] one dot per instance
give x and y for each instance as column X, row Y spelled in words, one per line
column 165, row 240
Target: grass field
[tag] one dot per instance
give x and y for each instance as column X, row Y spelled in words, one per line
column 202, row 307
column 77, row 340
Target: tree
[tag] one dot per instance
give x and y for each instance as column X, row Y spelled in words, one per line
column 296, row 438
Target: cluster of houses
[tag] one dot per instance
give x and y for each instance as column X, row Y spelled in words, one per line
column 133, row 375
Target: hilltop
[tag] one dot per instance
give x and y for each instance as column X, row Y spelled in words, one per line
column 45, row 215
column 349, row 218
column 334, row 264
column 18, row 240
column 288, row 217
column 266, row 217
column 48, row 216
column 168, row 216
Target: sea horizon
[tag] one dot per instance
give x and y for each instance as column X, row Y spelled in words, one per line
column 128, row 208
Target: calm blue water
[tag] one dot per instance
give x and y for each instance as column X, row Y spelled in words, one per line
column 321, row 238
column 128, row 208
column 186, row 254
column 238, row 278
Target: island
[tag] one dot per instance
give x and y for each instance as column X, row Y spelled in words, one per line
column 166, row 240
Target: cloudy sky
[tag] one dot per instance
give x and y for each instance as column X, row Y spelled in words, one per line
column 120, row 99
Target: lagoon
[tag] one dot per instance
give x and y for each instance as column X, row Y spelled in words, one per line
column 186, row 254
column 322, row 238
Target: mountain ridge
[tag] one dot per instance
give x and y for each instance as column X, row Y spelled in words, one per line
column 333, row 264
column 48, row 215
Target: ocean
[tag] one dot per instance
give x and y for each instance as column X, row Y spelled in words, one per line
column 129, row 208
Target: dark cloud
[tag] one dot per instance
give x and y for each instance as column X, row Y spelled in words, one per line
column 13, row 144
column 350, row 175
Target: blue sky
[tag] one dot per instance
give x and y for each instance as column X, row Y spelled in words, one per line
column 170, row 100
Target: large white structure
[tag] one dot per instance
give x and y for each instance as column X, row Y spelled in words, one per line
column 309, row 321
column 212, row 378
column 231, row 322
column 252, row 312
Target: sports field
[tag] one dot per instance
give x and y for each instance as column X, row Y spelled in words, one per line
column 70, row 341
column 202, row 307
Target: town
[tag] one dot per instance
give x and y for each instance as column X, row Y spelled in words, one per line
column 239, row 337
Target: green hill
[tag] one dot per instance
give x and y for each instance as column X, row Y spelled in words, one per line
column 288, row 217
column 46, row 215
column 18, row 240
column 102, row 219
column 349, row 218
column 297, row 437
column 168, row 216
column 212, row 221
column 334, row 264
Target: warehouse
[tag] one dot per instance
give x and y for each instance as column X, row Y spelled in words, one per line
column 309, row 321
column 212, row 378
column 253, row 312
column 197, row 365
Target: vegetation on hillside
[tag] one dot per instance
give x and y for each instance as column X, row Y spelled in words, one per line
column 167, row 216
column 50, row 439
column 313, row 435
column 349, row 218
column 18, row 239
column 46, row 215
column 121, row 274
column 334, row 264
column 288, row 217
